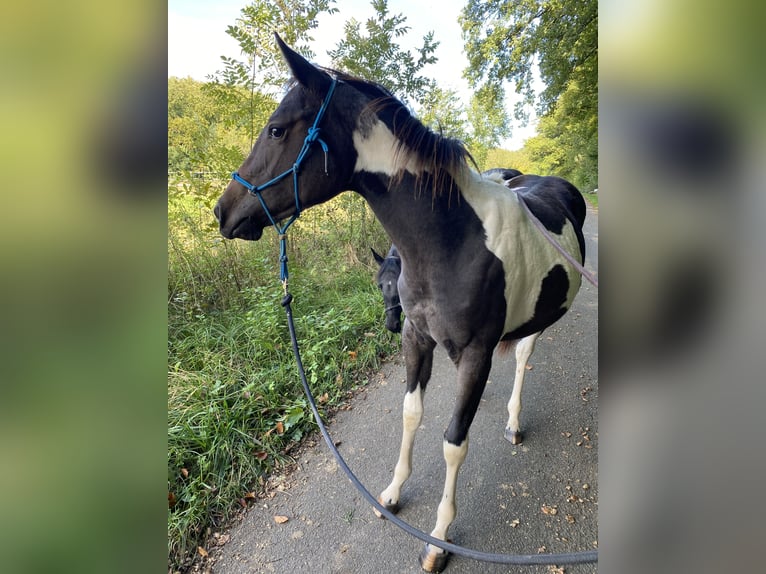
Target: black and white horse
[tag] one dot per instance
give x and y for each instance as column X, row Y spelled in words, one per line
column 389, row 270
column 476, row 273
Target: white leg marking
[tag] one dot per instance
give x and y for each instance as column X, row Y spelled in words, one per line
column 524, row 350
column 412, row 414
column 445, row 514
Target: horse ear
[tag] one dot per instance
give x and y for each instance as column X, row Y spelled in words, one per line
column 306, row 73
column 377, row 257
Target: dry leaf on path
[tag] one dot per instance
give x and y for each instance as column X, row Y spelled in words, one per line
column 280, row 519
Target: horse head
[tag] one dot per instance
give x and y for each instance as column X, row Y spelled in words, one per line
column 303, row 156
column 388, row 277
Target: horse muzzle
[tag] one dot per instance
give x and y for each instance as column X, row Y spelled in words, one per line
column 232, row 227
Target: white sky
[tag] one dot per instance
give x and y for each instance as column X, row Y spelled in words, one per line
column 197, row 39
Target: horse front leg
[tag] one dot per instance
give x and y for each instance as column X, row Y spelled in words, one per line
column 418, row 356
column 473, row 370
column 524, row 349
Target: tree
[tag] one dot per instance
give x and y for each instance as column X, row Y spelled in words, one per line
column 375, row 55
column 201, row 133
column 505, row 40
column 254, row 31
column 516, row 159
column 247, row 88
column 442, row 111
column 489, row 122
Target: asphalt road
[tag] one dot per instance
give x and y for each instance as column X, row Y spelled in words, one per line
column 541, row 496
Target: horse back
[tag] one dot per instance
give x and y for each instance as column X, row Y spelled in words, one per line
column 552, row 200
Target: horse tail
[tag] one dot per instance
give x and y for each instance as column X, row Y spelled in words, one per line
column 505, row 347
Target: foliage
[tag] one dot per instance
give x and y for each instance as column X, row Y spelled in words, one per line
column 235, row 406
column 565, row 146
column 442, row 111
column 489, row 121
column 375, row 55
column 517, row 159
column 504, row 41
column 203, row 134
column 253, row 31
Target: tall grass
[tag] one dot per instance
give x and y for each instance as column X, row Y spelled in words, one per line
column 235, row 404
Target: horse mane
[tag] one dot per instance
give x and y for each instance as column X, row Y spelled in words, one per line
column 432, row 153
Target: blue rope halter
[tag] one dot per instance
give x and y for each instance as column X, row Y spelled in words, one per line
column 311, row 137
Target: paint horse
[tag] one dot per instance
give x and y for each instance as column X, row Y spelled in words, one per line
column 476, row 273
column 390, row 267
column 389, row 271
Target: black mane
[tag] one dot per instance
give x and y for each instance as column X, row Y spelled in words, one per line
column 436, row 155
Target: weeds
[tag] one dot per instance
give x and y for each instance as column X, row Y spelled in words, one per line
column 235, row 404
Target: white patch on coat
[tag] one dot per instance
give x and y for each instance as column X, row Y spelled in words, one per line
column 376, row 152
column 526, row 254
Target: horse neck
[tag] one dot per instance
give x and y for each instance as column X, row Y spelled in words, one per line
column 413, row 215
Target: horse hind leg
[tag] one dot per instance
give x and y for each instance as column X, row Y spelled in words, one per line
column 524, row 349
column 418, row 354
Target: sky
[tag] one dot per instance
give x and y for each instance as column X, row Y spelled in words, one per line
column 197, row 39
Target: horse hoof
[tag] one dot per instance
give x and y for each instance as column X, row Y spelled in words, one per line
column 392, row 508
column 514, row 437
column 433, row 559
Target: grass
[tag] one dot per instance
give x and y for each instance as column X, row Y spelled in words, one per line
column 235, row 404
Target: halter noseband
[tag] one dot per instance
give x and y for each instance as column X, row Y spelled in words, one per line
column 311, row 137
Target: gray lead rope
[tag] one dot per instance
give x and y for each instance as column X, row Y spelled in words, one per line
column 576, row 264
column 516, row 559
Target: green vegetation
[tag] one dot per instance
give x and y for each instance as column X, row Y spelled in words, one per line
column 235, row 404
column 504, row 41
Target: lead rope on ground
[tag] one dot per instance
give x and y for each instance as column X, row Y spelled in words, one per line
column 584, row 557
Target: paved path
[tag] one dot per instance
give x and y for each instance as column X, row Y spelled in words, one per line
column 502, row 489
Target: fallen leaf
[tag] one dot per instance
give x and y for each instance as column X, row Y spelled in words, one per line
column 171, row 500
column 280, row 519
column 223, row 539
column 280, row 427
column 184, row 473
column 570, row 519
column 528, row 367
column 250, row 495
column 352, row 355
column 552, row 510
column 323, row 399
column 515, row 523
column 261, row 455
column 202, row 551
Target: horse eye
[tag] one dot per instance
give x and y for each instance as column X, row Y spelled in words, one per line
column 276, row 133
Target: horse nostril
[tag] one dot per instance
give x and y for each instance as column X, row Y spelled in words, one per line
column 217, row 211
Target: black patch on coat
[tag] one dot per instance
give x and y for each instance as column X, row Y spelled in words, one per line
column 549, row 307
column 554, row 200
